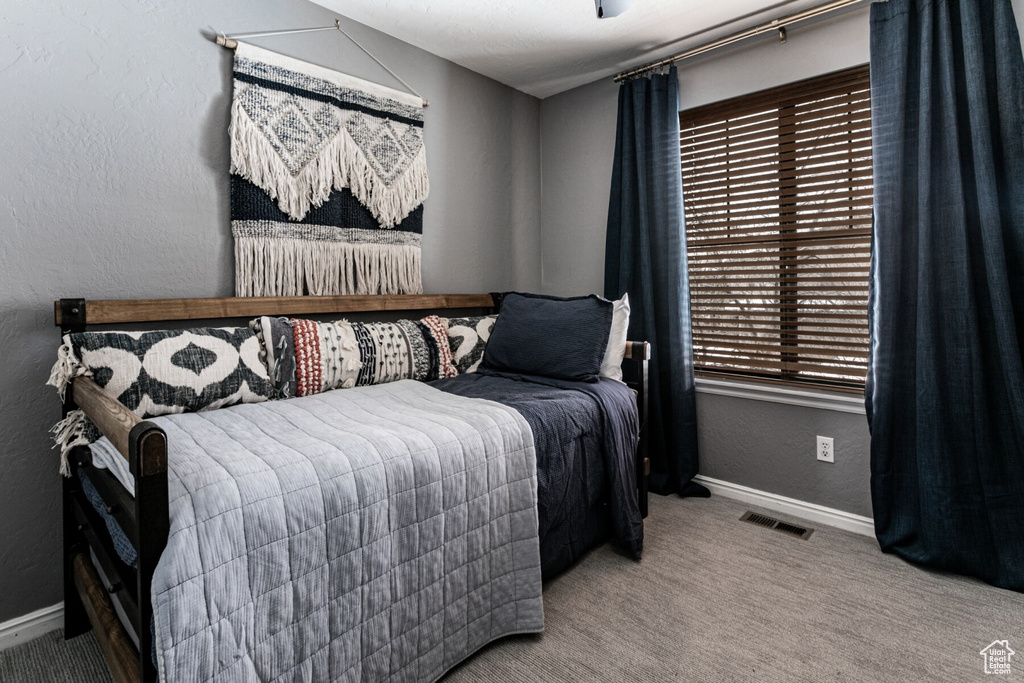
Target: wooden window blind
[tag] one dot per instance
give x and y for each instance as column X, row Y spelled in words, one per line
column 778, row 203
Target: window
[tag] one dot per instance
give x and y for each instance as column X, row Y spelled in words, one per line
column 777, row 189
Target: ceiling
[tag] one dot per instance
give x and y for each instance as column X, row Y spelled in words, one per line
column 544, row 47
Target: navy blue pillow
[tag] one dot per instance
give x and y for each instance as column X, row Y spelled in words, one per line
column 550, row 336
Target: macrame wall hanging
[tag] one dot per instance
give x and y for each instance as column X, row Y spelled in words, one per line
column 328, row 178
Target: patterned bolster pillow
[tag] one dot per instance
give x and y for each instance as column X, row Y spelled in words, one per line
column 160, row 372
column 305, row 357
column 468, row 339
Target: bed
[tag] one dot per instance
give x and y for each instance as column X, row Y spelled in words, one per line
column 589, row 486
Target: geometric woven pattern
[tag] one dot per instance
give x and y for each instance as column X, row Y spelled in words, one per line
column 388, row 151
column 299, row 131
column 342, row 163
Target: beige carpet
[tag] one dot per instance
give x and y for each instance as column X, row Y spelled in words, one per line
column 49, row 658
column 715, row 599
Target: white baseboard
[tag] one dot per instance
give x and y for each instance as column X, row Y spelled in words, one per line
column 858, row 524
column 32, row 625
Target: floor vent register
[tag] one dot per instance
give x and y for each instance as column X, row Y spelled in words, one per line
column 778, row 525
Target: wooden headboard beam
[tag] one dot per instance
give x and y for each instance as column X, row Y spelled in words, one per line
column 116, row 311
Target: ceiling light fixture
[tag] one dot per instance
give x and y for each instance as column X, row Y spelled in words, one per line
column 611, row 8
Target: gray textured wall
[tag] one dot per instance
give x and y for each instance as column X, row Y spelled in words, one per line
column 114, row 184
column 771, row 447
column 767, row 446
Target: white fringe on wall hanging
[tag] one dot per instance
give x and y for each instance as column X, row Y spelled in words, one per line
column 328, row 179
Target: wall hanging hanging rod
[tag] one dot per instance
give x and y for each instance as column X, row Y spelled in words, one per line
column 778, row 25
column 231, row 42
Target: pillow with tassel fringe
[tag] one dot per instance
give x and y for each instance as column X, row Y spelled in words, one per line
column 159, row 373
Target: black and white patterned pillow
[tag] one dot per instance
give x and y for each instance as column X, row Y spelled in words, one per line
column 172, row 371
column 468, row 339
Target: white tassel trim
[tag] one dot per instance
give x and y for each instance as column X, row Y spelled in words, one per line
column 66, row 369
column 337, row 165
column 67, row 434
column 275, row 266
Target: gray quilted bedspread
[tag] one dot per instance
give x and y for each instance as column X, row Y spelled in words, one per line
column 375, row 534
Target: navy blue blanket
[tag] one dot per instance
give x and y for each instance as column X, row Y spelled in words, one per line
column 585, row 436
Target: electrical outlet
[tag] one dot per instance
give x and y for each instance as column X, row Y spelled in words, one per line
column 826, row 449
